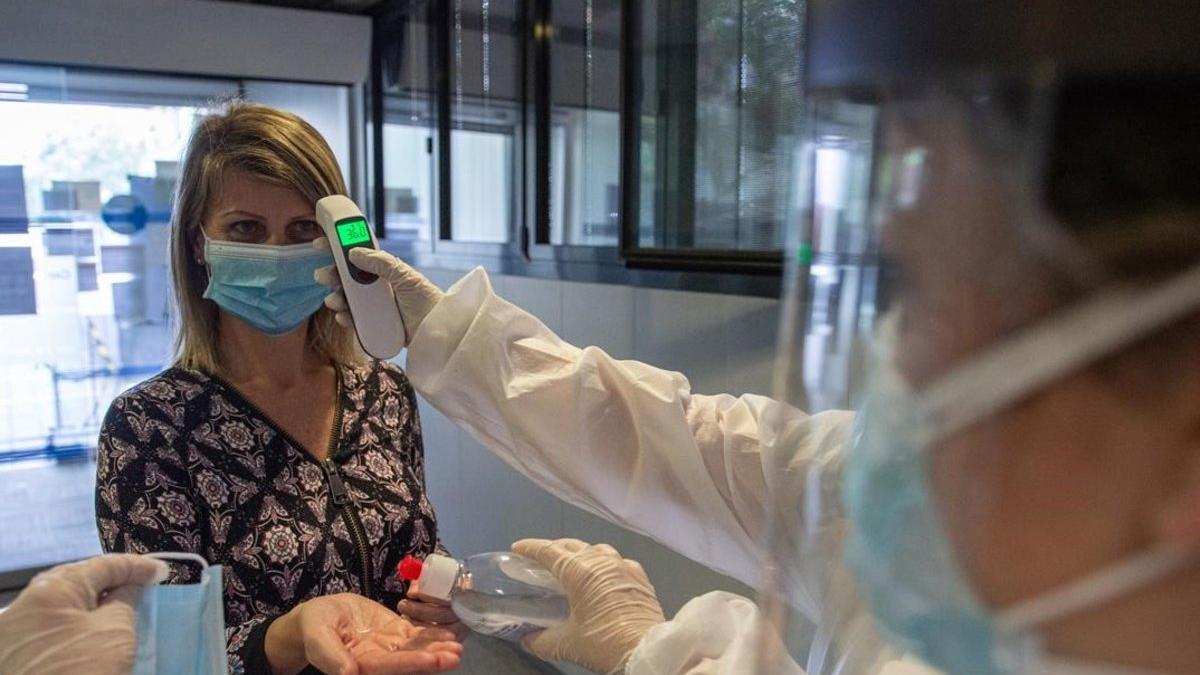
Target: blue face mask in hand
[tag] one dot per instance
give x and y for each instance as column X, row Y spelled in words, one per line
column 181, row 627
column 269, row 287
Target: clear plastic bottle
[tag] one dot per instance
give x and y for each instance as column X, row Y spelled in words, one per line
column 499, row 594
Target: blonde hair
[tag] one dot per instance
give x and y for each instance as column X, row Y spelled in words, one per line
column 271, row 145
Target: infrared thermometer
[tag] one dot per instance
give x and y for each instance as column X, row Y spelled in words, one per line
column 377, row 320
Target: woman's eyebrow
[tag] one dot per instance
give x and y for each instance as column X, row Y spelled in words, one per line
column 241, row 212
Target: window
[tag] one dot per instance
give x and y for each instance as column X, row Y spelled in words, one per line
column 502, row 116
column 408, row 134
column 484, row 118
column 450, row 160
column 714, row 126
column 88, row 164
column 408, row 182
column 581, row 137
column 585, row 135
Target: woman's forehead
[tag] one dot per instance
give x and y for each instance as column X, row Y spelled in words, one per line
column 243, row 191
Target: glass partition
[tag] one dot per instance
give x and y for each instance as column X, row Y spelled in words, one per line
column 88, row 165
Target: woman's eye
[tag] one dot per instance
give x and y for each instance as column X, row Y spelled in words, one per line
column 305, row 230
column 243, row 228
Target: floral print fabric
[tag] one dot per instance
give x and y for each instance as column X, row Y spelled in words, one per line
column 187, row 464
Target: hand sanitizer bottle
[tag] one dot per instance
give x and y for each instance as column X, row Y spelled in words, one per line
column 499, row 594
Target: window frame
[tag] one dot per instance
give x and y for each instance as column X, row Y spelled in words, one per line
column 762, row 262
column 528, row 251
column 391, row 21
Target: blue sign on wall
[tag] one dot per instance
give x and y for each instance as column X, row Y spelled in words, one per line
column 125, row 214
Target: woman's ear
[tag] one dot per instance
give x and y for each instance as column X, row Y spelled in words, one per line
column 197, row 241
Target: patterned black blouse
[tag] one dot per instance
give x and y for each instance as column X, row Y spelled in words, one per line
column 187, row 464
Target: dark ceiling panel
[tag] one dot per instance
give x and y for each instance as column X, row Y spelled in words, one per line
column 345, row 6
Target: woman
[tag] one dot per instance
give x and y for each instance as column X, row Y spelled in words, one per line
column 273, row 446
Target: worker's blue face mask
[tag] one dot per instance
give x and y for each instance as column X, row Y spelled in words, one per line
column 898, row 548
column 269, row 287
column 181, row 627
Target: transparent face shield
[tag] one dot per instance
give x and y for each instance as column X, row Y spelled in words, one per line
column 817, row 621
column 960, row 270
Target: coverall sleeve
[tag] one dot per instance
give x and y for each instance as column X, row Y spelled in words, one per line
column 624, row 440
column 714, row 634
column 718, row 633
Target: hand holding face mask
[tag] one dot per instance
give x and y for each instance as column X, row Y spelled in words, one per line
column 77, row 618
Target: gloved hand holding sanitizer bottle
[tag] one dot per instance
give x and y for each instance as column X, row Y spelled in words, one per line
column 499, row 594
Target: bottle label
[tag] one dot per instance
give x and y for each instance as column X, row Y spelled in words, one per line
column 505, row 628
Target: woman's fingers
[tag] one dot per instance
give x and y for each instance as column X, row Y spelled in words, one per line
column 430, row 634
column 327, row 651
column 382, row 653
column 426, row 612
column 430, row 615
column 385, row 663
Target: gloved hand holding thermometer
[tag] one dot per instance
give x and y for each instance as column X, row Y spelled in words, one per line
column 367, row 302
column 383, row 298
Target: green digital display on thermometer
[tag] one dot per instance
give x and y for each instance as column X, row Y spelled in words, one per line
column 353, row 232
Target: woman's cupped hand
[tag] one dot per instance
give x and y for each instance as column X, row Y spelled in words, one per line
column 348, row 634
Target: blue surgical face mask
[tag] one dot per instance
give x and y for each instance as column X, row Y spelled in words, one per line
column 898, row 548
column 269, row 287
column 181, row 627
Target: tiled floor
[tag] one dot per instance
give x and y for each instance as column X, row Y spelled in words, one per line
column 47, row 514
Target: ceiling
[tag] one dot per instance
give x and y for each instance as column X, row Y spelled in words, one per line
column 568, row 15
column 346, row 6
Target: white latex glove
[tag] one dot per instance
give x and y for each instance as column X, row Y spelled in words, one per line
column 613, row 604
column 415, row 295
column 77, row 618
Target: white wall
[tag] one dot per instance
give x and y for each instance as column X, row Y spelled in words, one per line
column 328, row 111
column 723, row 343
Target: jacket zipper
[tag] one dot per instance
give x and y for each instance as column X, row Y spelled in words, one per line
column 341, row 498
column 337, row 487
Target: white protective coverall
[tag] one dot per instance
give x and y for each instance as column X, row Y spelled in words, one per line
column 632, row 444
